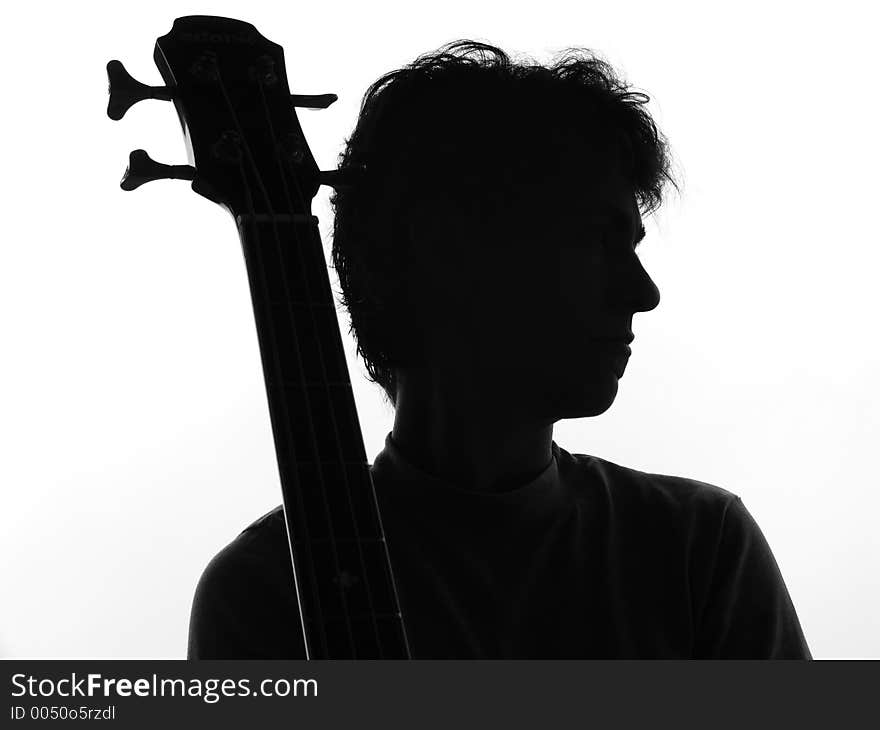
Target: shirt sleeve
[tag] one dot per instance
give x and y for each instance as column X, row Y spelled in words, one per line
column 748, row 611
column 242, row 611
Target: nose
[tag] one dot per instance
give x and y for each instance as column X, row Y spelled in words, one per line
column 636, row 289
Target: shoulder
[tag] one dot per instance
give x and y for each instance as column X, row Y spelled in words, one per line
column 245, row 603
column 265, row 531
column 625, row 488
column 257, row 553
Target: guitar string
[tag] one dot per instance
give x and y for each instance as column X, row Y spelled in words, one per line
column 306, row 398
column 387, row 562
column 375, row 502
column 320, row 351
column 290, row 531
column 333, row 546
column 372, row 492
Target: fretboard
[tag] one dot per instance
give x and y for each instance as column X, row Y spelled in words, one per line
column 349, row 608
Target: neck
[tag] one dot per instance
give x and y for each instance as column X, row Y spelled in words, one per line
column 461, row 435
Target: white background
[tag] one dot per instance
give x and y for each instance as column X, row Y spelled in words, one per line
column 135, row 433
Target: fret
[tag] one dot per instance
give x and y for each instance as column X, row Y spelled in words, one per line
column 362, row 617
column 344, row 540
column 293, row 262
column 302, row 302
column 326, row 414
column 338, row 497
column 308, row 341
column 363, row 582
column 389, row 645
column 362, row 579
column 333, row 462
column 339, row 550
column 246, row 218
column 309, row 383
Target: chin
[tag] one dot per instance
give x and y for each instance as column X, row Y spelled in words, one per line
column 586, row 400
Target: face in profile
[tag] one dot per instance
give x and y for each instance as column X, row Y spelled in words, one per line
column 522, row 317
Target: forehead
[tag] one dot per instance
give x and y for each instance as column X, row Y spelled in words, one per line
column 595, row 186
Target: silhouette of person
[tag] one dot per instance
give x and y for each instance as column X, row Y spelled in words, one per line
column 487, row 257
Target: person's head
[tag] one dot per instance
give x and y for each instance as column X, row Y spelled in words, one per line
column 489, row 238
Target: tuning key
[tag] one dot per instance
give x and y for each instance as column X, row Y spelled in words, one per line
column 313, row 101
column 126, row 91
column 142, row 168
column 342, row 178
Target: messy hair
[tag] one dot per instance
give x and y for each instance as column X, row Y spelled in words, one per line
column 464, row 124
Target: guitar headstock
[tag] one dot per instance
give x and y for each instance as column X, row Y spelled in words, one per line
column 245, row 145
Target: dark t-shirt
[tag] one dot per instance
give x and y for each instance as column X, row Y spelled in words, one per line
column 590, row 560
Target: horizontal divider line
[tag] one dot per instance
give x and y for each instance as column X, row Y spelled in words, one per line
column 308, row 383
column 339, row 541
column 279, row 217
column 360, row 617
column 302, row 303
column 330, row 462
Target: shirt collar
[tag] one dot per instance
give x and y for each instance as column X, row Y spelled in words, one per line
column 394, row 473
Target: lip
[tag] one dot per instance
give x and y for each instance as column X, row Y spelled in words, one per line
column 626, row 338
column 616, row 343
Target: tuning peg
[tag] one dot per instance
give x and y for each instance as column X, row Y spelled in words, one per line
column 313, row 101
column 142, row 168
column 343, row 178
column 126, row 91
